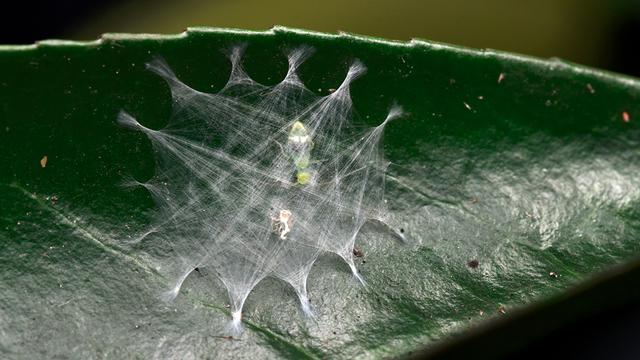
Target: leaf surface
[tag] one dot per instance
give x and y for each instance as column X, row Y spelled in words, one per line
column 514, row 178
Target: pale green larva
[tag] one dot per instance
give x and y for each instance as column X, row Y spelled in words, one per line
column 300, row 144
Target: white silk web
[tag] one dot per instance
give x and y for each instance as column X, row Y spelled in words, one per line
column 257, row 181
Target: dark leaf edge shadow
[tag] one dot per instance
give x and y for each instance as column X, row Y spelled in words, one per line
column 613, row 288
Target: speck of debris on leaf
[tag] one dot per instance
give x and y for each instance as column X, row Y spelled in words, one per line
column 357, row 252
column 473, row 264
column 590, row 88
column 553, row 275
column 43, row 161
column 225, row 337
column 502, row 310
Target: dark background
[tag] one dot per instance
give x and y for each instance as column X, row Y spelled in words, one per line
column 597, row 33
column 602, row 34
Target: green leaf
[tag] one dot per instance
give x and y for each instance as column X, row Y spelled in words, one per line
column 528, row 167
